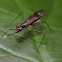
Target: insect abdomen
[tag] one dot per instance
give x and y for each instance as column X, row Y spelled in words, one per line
column 41, row 13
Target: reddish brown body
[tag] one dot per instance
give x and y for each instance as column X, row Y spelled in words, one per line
column 34, row 18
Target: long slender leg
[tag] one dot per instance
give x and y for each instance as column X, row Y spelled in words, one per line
column 42, row 38
column 23, row 16
column 43, row 22
column 7, row 31
column 15, row 19
column 8, row 36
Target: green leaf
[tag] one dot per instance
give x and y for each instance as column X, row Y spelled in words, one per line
column 22, row 47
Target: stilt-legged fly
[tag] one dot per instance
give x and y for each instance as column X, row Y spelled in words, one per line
column 32, row 20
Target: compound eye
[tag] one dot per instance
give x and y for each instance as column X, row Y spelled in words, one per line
column 18, row 27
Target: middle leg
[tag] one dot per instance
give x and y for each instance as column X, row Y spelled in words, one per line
column 42, row 38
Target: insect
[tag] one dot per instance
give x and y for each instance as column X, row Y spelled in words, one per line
column 32, row 20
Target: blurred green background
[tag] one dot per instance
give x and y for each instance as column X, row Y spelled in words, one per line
column 22, row 47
